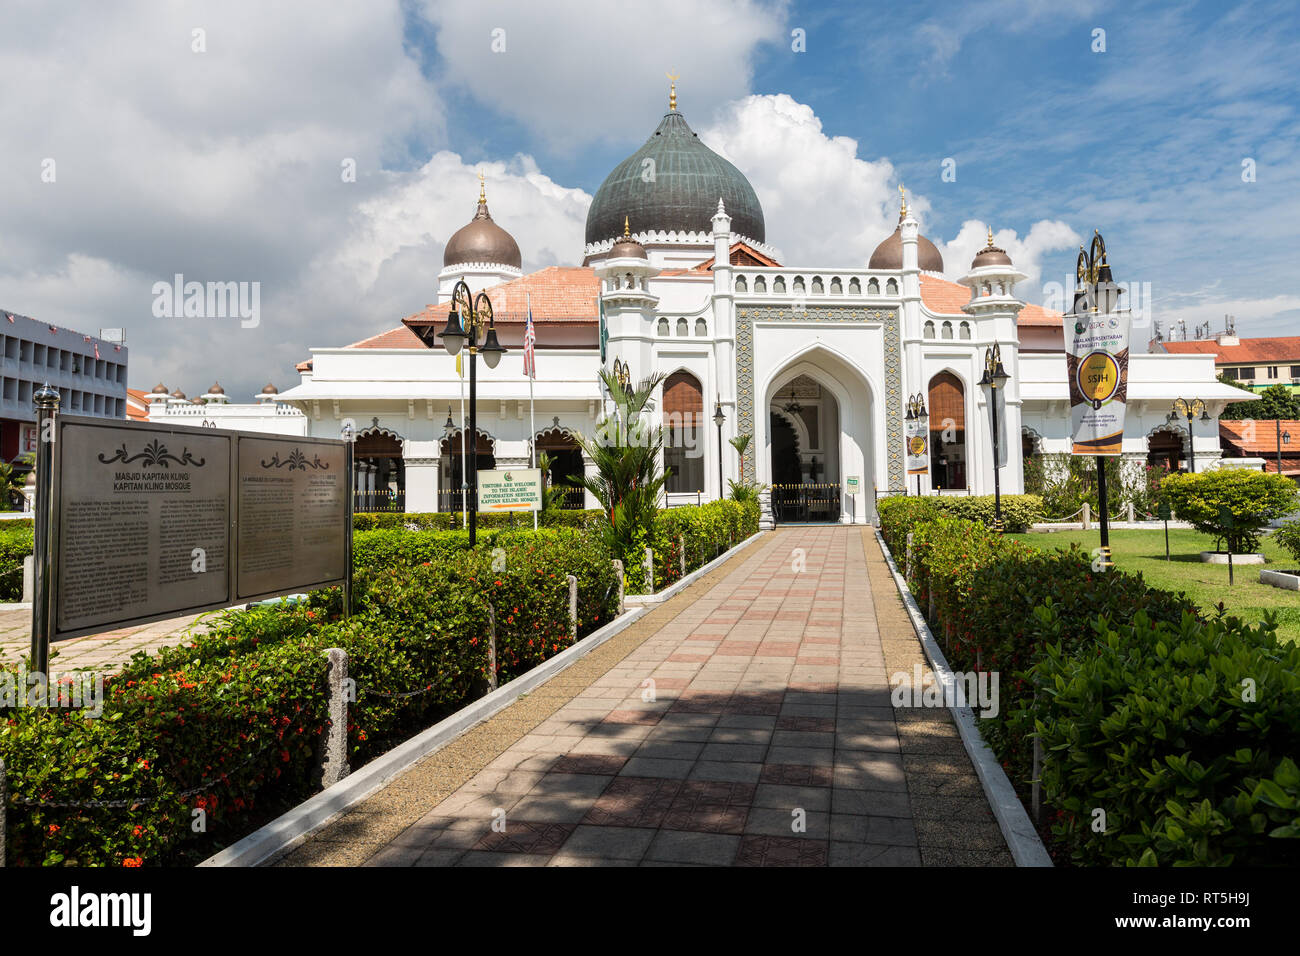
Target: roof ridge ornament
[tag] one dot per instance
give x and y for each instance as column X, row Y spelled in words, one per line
column 626, row 233
column 482, row 192
column 902, row 212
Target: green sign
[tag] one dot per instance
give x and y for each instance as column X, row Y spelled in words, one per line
column 514, row 489
column 1163, row 512
column 851, row 484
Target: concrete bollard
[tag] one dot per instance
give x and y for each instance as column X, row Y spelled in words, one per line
column 334, row 756
column 492, row 648
column 1132, row 512
column 620, row 584
column 681, row 553
column 573, row 606
column 29, row 578
column 907, row 575
column 649, row 571
column 1087, row 515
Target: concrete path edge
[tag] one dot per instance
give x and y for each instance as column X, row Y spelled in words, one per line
column 1017, row 829
column 645, row 600
column 290, row 828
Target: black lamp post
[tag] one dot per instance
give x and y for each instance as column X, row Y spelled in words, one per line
column 718, row 419
column 1283, row 438
column 1184, row 408
column 995, row 377
column 467, row 321
column 918, row 413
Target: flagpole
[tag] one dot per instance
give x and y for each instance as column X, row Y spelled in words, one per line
column 532, row 411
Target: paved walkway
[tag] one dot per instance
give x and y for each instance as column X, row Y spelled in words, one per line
column 745, row 722
column 105, row 653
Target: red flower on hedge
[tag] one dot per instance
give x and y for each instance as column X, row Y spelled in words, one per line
column 133, row 861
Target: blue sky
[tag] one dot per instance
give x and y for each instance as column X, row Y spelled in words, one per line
column 224, row 165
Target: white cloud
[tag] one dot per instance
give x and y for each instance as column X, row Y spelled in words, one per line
column 573, row 73
column 824, row 204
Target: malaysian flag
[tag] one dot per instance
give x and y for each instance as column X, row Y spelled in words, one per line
column 530, row 342
column 96, row 350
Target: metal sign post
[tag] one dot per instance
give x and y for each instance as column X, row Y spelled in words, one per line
column 1164, row 513
column 46, row 402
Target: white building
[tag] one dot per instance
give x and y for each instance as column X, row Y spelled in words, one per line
column 815, row 361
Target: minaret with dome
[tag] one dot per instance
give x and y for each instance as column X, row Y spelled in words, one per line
column 480, row 252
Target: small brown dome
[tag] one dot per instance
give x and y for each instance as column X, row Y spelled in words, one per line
column 269, row 389
column 627, row 247
column 216, row 389
column 889, row 254
column 178, row 393
column 482, row 240
column 159, row 389
column 990, row 255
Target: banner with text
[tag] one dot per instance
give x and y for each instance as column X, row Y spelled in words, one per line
column 918, row 446
column 515, row 489
column 1097, row 365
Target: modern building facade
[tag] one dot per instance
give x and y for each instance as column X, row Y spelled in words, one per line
column 89, row 373
column 816, row 361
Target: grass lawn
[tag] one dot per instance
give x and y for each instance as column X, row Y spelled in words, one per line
column 1206, row 584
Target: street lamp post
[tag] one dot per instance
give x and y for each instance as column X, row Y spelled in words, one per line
column 718, row 419
column 919, row 414
column 467, row 321
column 1283, row 438
column 1183, row 408
column 995, row 377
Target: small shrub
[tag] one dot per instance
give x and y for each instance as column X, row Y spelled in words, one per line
column 1254, row 498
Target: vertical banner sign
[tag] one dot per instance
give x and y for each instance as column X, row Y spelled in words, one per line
column 1097, row 365
column 918, row 446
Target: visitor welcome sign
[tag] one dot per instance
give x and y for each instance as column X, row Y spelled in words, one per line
column 1097, row 364
column 515, row 489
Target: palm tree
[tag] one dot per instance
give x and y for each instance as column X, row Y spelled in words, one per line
column 628, row 482
column 741, row 444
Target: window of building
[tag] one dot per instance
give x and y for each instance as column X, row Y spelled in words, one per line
column 1230, row 374
column 1272, row 371
column 1246, row 374
column 701, row 328
column 663, row 325
column 946, row 331
column 682, row 328
column 929, row 329
column 683, row 412
column 1295, row 371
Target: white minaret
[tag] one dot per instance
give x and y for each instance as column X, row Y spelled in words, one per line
column 629, row 304
column 724, row 349
column 992, row 279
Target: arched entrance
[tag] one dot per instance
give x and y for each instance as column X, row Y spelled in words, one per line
column 818, row 432
column 378, row 472
column 1165, row 449
column 947, row 407
column 565, row 457
column 479, row 452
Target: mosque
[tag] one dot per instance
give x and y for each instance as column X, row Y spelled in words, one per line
column 816, row 362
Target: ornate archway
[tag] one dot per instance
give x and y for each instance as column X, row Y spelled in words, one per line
column 379, row 471
column 946, row 401
column 477, row 451
column 561, row 448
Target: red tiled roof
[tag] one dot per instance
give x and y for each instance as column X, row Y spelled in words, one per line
column 558, row 294
column 740, row 254
column 137, row 406
column 946, row 298
column 1276, row 350
column 1260, row 436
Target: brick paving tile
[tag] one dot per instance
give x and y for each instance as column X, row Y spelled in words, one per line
column 771, row 741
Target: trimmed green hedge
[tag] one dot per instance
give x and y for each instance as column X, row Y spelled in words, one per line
column 16, row 542
column 705, row 531
column 448, row 520
column 1139, row 701
column 899, row 513
column 229, row 723
column 1253, row 499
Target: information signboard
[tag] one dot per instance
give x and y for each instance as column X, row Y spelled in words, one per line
column 510, row 489
column 154, row 521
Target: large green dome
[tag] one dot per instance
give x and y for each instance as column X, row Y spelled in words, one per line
column 681, row 195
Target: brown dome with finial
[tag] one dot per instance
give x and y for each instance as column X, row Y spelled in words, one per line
column 216, row 389
column 159, row 389
column 178, row 393
column 269, row 389
column 990, row 255
column 627, row 247
column 889, row 254
column 482, row 240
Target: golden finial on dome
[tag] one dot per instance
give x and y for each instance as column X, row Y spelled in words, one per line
column 990, row 245
column 626, row 233
column 902, row 212
column 672, row 90
column 482, row 193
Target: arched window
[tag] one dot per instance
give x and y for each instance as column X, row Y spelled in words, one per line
column 682, row 329
column 478, row 453
column 836, row 287
column 701, row 327
column 855, row 287
column 798, row 284
column 817, row 287
column 380, row 472
column 891, row 287
column 683, row 414
column 779, row 285
column 566, row 465
column 663, row 325
column 964, row 331
column 929, row 329
column 946, row 332
column 947, row 406
column 873, row 287
column 760, row 285
column 741, row 284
